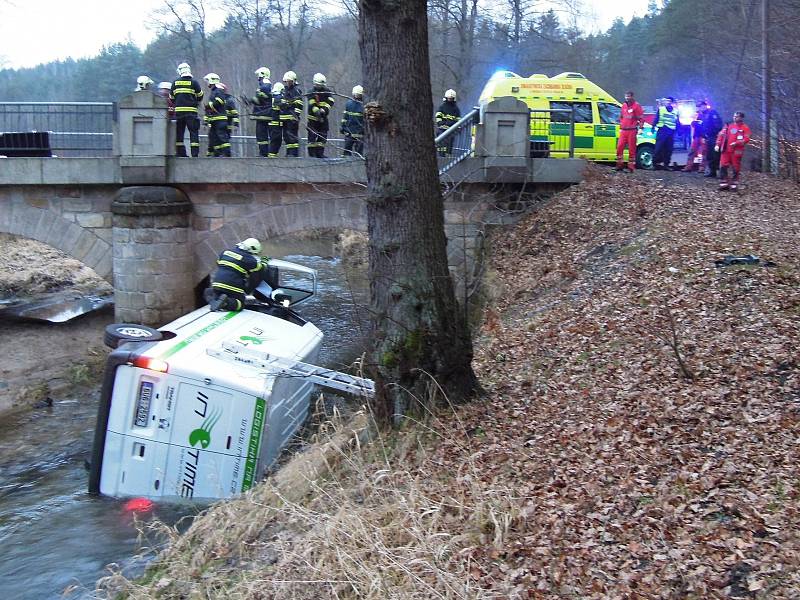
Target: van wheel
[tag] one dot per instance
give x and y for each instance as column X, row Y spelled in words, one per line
column 118, row 333
column 644, row 156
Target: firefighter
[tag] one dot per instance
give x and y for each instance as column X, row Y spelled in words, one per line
column 262, row 110
column 275, row 126
column 730, row 145
column 186, row 95
column 352, row 126
column 239, row 271
column 712, row 125
column 143, row 82
column 221, row 115
column 666, row 120
column 697, row 152
column 447, row 115
column 164, row 90
column 631, row 119
column 291, row 109
column 320, row 103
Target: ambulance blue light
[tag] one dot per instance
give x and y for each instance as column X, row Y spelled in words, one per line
column 686, row 114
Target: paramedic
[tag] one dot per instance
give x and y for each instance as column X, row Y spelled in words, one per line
column 631, row 118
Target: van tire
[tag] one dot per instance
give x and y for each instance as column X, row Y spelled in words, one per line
column 119, row 333
column 644, row 156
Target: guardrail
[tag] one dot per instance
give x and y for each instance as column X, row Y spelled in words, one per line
column 552, row 132
column 456, row 143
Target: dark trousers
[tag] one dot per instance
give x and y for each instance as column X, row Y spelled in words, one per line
column 262, row 137
column 353, row 145
column 233, row 301
column 291, row 137
column 317, row 138
column 219, row 138
column 712, row 156
column 275, row 139
column 184, row 121
column 665, row 140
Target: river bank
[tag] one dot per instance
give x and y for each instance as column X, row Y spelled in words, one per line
column 639, row 436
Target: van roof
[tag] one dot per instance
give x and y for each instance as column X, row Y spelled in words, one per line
column 564, row 86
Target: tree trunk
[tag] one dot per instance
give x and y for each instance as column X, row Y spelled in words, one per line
column 417, row 325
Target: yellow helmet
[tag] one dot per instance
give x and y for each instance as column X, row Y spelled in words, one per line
column 250, row 245
column 263, row 73
column 211, row 79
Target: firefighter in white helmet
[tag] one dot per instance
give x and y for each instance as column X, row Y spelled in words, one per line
column 275, row 125
column 447, row 115
column 186, row 94
column 352, row 126
column 240, row 270
column 262, row 110
column 221, row 115
column 291, row 109
column 143, row 82
column 320, row 103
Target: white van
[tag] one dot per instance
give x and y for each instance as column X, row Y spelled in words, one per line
column 203, row 407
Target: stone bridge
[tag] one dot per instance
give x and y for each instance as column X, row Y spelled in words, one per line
column 153, row 225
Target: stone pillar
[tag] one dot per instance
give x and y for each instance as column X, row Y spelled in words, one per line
column 503, row 139
column 153, row 259
column 142, row 138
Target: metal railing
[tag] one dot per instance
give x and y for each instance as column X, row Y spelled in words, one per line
column 75, row 128
column 457, row 142
column 552, row 133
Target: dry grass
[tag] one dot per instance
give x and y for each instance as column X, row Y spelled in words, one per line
column 349, row 518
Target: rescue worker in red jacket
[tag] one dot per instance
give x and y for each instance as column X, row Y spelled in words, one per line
column 730, row 145
column 631, row 118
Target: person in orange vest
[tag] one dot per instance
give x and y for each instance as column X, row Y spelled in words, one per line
column 631, row 119
column 730, row 145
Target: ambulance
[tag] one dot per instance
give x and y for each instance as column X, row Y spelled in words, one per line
column 201, row 408
column 553, row 102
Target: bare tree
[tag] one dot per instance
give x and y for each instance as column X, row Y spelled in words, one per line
column 252, row 18
column 419, row 332
column 291, row 20
column 186, row 20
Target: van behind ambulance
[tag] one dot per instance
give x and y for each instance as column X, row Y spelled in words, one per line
column 203, row 407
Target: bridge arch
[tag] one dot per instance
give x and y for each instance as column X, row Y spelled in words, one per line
column 52, row 229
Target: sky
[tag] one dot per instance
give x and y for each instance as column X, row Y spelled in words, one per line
column 39, row 31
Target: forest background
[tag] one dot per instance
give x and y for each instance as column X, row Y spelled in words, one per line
column 683, row 48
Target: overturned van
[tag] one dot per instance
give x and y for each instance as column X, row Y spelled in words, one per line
column 201, row 408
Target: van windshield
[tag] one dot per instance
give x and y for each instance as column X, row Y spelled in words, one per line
column 561, row 112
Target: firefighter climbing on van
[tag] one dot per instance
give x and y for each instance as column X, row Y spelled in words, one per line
column 447, row 116
column 666, row 124
column 730, row 144
column 631, row 118
column 239, row 271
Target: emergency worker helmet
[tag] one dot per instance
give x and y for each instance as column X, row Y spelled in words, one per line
column 290, row 76
column 143, row 82
column 165, row 85
column 211, row 79
column 450, row 95
column 263, row 73
column 250, row 245
column 319, row 79
column 358, row 91
column 277, row 88
column 184, row 69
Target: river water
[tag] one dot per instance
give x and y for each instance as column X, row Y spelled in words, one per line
column 54, row 537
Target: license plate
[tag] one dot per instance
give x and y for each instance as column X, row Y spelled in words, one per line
column 142, row 414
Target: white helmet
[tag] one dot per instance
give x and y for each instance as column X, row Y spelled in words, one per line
column 143, row 82
column 211, row 79
column 319, row 79
column 277, row 88
column 263, row 73
column 290, row 76
column 165, row 85
column 251, row 245
column 450, row 95
column 358, row 91
column 184, row 69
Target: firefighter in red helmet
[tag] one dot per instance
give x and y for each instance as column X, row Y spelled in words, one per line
column 631, row 118
column 730, row 145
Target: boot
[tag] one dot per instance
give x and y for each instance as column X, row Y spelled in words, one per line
column 218, row 303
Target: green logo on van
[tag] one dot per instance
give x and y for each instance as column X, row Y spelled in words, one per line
column 202, row 435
